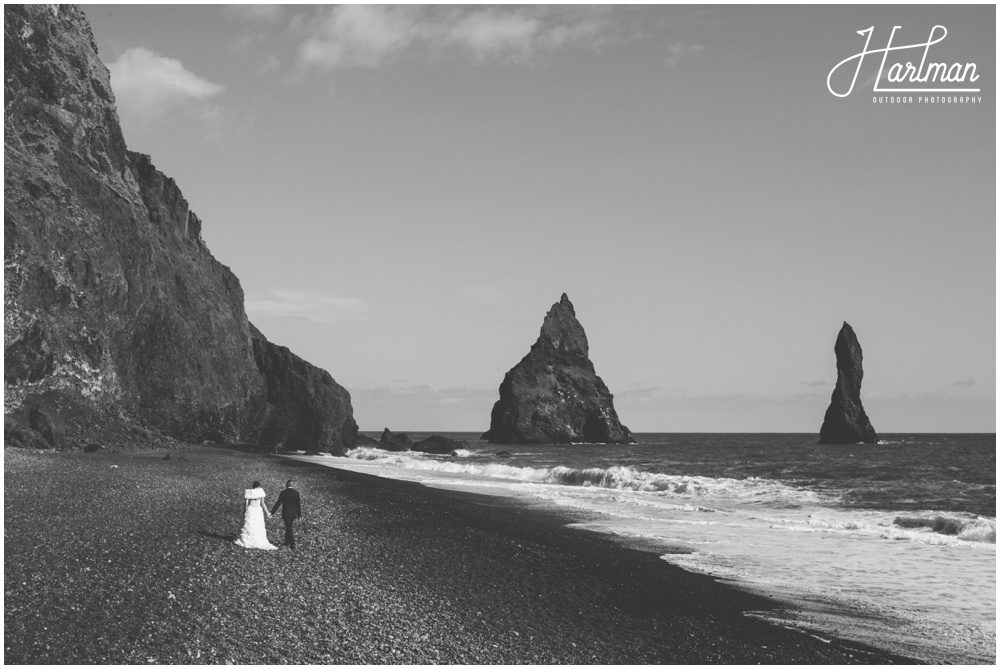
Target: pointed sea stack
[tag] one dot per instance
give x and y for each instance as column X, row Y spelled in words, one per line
column 846, row 421
column 553, row 395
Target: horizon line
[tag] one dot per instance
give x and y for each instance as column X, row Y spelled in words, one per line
column 635, row 432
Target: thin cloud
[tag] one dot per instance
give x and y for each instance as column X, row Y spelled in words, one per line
column 149, row 87
column 358, row 35
column 425, row 392
column 971, row 381
column 679, row 400
column 422, row 408
column 424, row 396
column 256, row 48
column 679, row 51
column 294, row 305
column 488, row 33
column 355, row 36
column 649, row 394
column 269, row 63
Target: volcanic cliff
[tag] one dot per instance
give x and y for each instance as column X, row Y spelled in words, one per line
column 554, row 395
column 846, row 421
column 118, row 319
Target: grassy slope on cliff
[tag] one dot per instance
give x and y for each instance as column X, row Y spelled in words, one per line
column 124, row 557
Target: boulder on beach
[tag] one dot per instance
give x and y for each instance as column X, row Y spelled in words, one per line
column 554, row 395
column 43, row 419
column 21, row 436
column 846, row 421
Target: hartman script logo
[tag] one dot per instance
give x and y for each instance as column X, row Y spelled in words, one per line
column 909, row 77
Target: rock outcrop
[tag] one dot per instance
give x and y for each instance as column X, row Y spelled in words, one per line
column 846, row 421
column 46, row 422
column 554, row 395
column 364, row 441
column 439, row 445
column 19, row 435
column 306, row 408
column 395, row 442
column 116, row 313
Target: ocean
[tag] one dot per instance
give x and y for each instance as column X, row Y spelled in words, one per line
column 891, row 544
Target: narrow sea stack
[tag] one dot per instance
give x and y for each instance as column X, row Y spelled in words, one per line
column 846, row 421
column 554, row 395
column 118, row 319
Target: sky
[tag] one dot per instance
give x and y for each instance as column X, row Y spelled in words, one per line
column 404, row 191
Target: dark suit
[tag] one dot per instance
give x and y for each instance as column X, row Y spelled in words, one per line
column 291, row 508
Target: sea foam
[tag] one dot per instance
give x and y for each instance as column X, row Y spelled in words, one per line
column 612, row 478
column 977, row 529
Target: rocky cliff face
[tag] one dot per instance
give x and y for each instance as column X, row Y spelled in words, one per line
column 554, row 395
column 306, row 408
column 116, row 313
column 846, row 421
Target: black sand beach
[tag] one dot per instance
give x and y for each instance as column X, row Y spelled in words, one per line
column 125, row 557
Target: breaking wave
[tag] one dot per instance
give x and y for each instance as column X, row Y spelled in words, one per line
column 612, row 478
column 929, row 529
column 978, row 529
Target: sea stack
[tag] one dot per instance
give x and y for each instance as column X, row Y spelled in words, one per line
column 846, row 421
column 554, row 395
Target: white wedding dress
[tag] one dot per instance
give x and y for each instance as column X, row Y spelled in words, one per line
column 254, row 532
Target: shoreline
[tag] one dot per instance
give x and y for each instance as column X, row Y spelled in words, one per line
column 387, row 572
column 824, row 617
column 849, row 540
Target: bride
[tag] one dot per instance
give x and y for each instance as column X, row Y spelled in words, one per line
column 254, row 533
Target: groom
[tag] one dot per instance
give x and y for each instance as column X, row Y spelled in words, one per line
column 291, row 509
